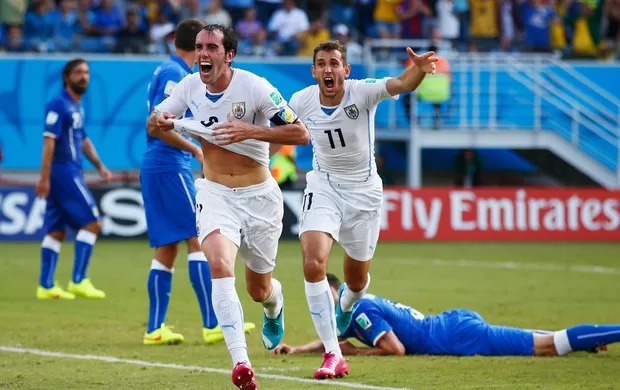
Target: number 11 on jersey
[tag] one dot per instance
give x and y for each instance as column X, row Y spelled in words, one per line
column 331, row 138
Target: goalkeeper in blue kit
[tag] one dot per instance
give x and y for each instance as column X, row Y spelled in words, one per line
column 390, row 328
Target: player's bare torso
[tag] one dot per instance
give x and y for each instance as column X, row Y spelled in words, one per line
column 231, row 169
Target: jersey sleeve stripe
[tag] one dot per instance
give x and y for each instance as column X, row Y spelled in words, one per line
column 49, row 134
column 378, row 338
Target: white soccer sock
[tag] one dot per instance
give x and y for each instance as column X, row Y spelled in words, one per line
column 562, row 346
column 51, row 243
column 273, row 304
column 156, row 264
column 85, row 236
column 322, row 309
column 196, row 256
column 348, row 298
column 230, row 317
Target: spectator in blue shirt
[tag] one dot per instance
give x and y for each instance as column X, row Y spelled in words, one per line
column 537, row 19
column 39, row 26
column 107, row 20
column 66, row 25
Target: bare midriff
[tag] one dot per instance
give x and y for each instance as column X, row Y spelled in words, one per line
column 231, row 169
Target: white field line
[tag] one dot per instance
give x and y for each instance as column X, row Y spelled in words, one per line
column 111, row 359
column 511, row 265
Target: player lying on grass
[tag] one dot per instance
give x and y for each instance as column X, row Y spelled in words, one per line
column 391, row 328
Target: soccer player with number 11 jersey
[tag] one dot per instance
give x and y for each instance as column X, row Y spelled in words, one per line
column 342, row 199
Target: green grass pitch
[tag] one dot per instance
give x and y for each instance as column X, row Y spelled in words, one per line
column 534, row 285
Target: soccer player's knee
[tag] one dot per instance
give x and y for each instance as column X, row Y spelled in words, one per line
column 94, row 227
column 356, row 284
column 167, row 252
column 58, row 235
column 314, row 266
column 220, row 268
column 259, row 293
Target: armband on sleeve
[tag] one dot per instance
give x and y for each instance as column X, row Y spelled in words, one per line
column 285, row 116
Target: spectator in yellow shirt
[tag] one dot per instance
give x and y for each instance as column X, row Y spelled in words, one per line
column 311, row 38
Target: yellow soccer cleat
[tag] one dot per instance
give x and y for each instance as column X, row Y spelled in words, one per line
column 163, row 336
column 55, row 292
column 212, row 336
column 85, row 289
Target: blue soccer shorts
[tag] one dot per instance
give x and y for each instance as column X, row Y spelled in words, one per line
column 69, row 203
column 169, row 205
column 470, row 334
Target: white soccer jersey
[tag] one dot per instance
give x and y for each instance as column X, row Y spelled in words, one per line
column 249, row 98
column 343, row 137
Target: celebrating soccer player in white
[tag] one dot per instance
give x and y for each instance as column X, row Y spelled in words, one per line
column 240, row 205
column 342, row 200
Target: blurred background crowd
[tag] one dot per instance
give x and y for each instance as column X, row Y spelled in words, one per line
column 574, row 28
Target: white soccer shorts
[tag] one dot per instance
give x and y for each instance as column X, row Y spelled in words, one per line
column 349, row 212
column 250, row 217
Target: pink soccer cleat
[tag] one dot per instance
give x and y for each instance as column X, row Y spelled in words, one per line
column 332, row 367
column 243, row 377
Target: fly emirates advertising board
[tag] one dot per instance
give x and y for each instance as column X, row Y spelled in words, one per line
column 448, row 214
column 500, row 214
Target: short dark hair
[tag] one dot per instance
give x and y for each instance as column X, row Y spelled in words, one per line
column 231, row 39
column 68, row 68
column 185, row 34
column 333, row 281
column 330, row 46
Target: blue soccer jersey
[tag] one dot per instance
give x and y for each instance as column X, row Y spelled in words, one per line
column 160, row 156
column 166, row 176
column 374, row 316
column 459, row 332
column 69, row 201
column 64, row 121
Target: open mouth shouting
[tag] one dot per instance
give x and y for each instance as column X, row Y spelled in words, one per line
column 329, row 84
column 205, row 67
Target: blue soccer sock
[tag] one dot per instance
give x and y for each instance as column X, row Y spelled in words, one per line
column 84, row 241
column 159, row 286
column 50, row 248
column 200, row 276
column 585, row 337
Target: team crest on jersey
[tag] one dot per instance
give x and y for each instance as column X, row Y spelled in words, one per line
column 352, row 111
column 238, row 109
column 363, row 321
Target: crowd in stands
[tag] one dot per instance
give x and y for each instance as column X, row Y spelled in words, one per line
column 577, row 28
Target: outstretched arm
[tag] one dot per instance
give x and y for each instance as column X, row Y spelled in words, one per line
column 411, row 77
column 389, row 345
column 312, row 347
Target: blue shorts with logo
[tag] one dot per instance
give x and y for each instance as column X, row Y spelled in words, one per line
column 170, row 206
column 464, row 332
column 69, row 203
